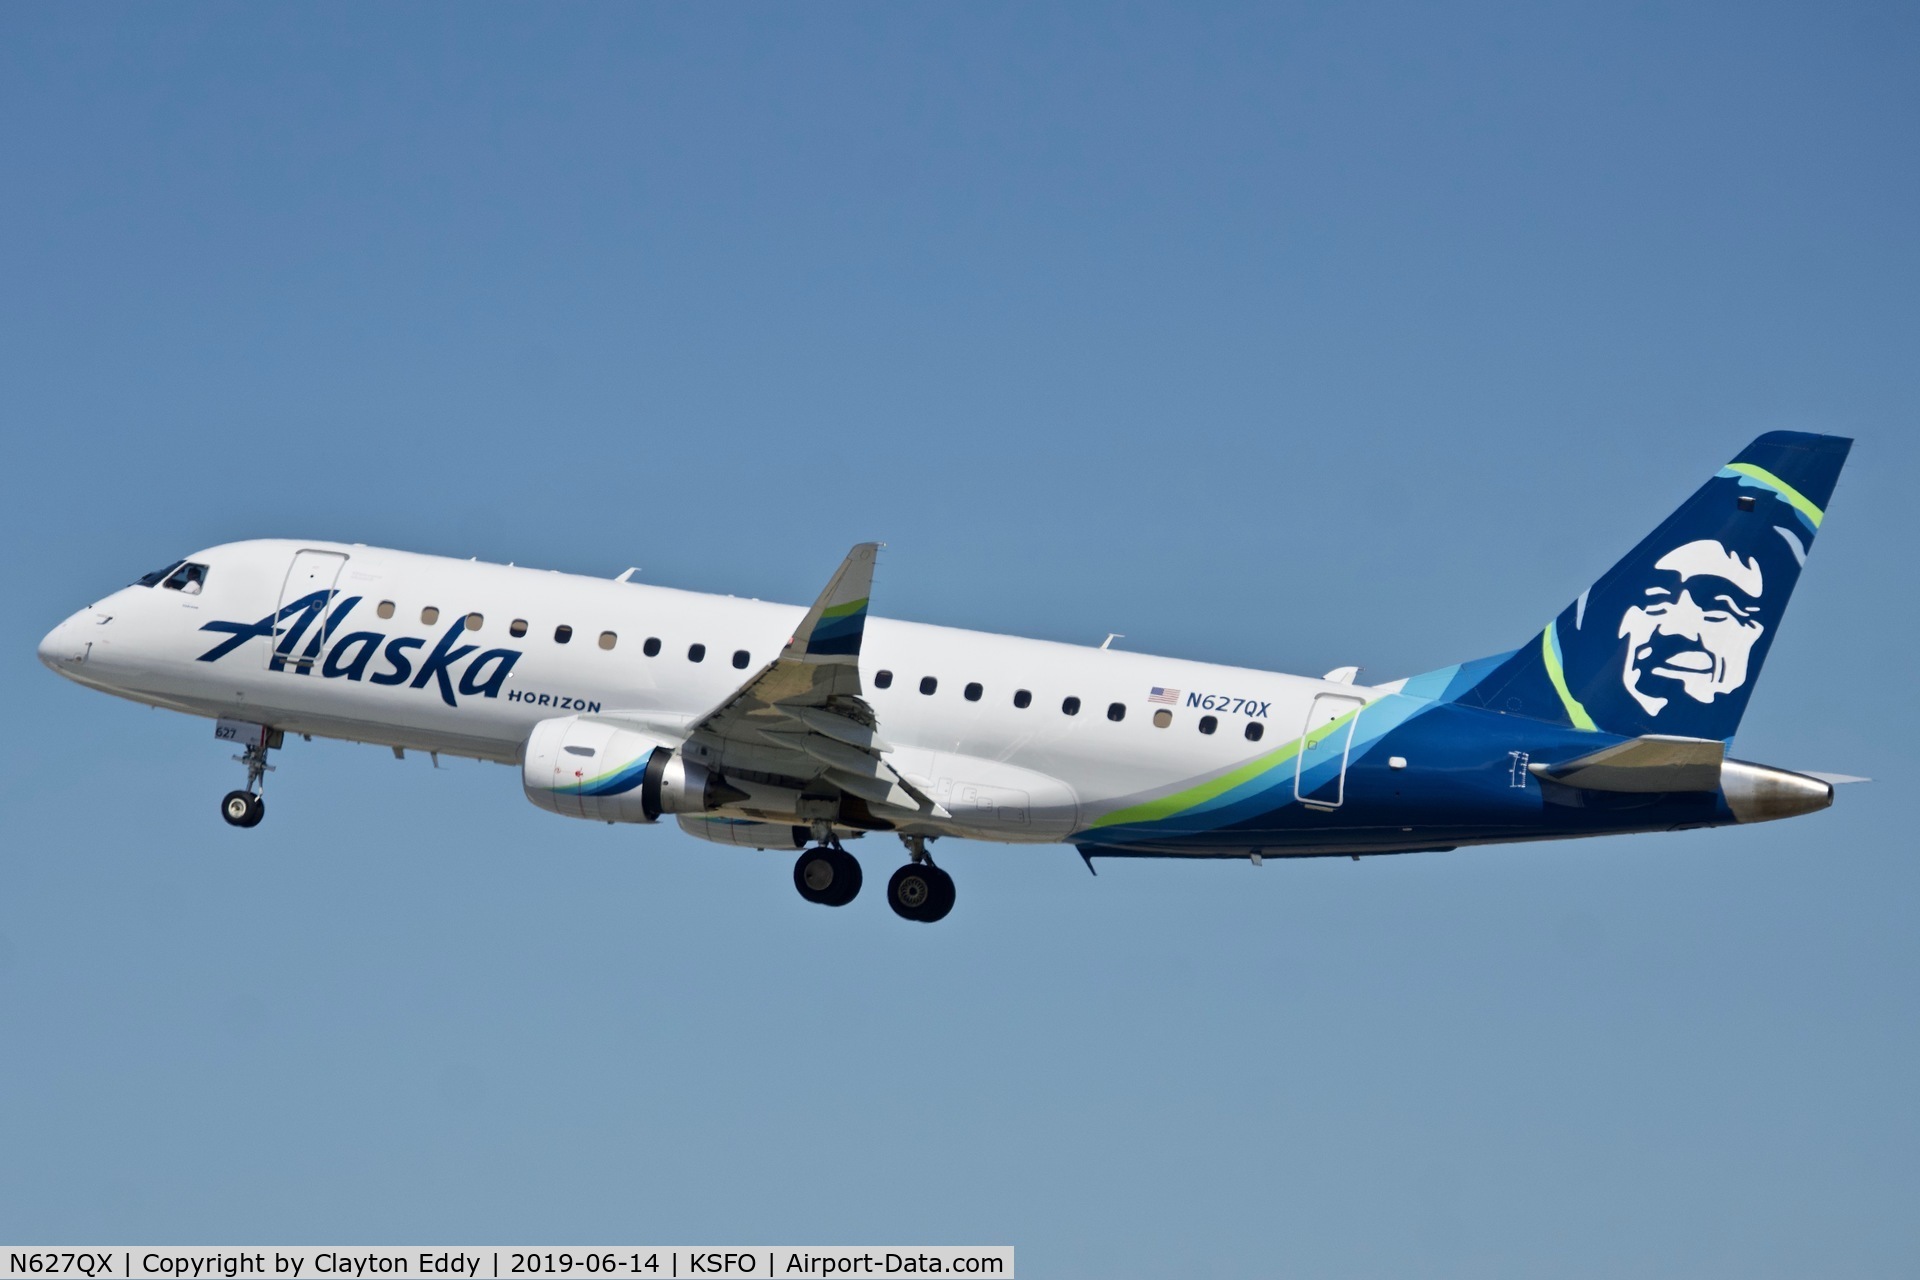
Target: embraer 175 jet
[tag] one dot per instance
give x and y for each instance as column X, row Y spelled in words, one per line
column 775, row 727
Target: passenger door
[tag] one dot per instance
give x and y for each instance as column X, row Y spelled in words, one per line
column 308, row 629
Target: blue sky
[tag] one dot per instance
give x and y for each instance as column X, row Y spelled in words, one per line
column 1284, row 336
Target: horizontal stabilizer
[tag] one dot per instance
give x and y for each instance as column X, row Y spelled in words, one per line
column 1647, row 764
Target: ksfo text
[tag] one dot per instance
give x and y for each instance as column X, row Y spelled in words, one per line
column 488, row 1263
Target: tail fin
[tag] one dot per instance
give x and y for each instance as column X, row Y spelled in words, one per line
column 1671, row 639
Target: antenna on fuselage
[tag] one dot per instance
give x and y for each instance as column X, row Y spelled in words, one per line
column 1111, row 637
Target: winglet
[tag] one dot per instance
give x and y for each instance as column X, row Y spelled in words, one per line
column 834, row 626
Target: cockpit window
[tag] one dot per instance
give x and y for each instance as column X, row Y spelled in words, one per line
column 158, row 575
column 187, row 579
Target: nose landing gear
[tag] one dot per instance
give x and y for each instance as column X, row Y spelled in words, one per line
column 246, row 808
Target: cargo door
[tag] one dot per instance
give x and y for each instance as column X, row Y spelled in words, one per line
column 1320, row 768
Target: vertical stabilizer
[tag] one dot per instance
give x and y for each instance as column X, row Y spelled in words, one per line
column 1671, row 639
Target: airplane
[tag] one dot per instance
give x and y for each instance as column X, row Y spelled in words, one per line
column 775, row 727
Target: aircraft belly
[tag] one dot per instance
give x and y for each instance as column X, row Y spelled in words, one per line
column 309, row 704
column 993, row 800
column 1419, row 777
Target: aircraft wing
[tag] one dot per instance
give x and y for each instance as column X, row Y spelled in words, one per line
column 802, row 716
column 1652, row 763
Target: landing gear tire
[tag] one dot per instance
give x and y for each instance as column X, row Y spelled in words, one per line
column 243, row 809
column 920, row 891
column 828, row 876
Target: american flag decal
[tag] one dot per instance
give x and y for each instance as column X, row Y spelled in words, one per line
column 1169, row 696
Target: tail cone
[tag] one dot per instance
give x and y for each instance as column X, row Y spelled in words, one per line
column 1757, row 793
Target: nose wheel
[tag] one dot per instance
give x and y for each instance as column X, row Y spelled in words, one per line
column 828, row 876
column 243, row 809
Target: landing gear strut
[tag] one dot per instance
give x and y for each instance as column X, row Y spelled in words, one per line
column 246, row 808
column 826, row 873
column 920, row 891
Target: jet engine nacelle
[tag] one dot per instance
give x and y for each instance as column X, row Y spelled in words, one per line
column 587, row 767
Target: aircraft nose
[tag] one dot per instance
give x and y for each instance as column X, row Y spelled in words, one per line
column 64, row 647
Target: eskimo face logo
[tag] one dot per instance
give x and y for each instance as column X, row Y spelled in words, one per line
column 1694, row 630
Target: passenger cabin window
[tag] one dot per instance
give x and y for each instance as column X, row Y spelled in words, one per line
column 608, row 639
column 518, row 627
column 928, row 684
column 1023, row 698
column 187, row 579
column 1162, row 718
column 1208, row 724
column 972, row 692
column 1116, row 711
column 385, row 609
column 1071, row 706
column 158, row 576
column 696, row 653
column 741, row 658
column 562, row 633
column 883, row 679
column 1254, row 730
column 429, row 615
column 473, row 621
column 652, row 647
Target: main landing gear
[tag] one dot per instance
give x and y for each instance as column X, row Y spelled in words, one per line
column 920, row 891
column 831, row 876
column 246, row 808
column 827, row 874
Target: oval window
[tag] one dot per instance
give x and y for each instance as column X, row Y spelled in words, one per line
column 474, row 621
column 1071, row 706
column 928, row 684
column 883, row 679
column 1255, row 730
column 696, row 653
column 386, row 609
column 429, row 615
column 1162, row 718
column 1023, row 698
column 972, row 692
column 1208, row 724
column 608, row 639
column 652, row 647
column 741, row 658
column 562, row 633
column 1116, row 711
column 518, row 627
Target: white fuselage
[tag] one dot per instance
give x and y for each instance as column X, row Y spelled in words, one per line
column 1002, row 771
